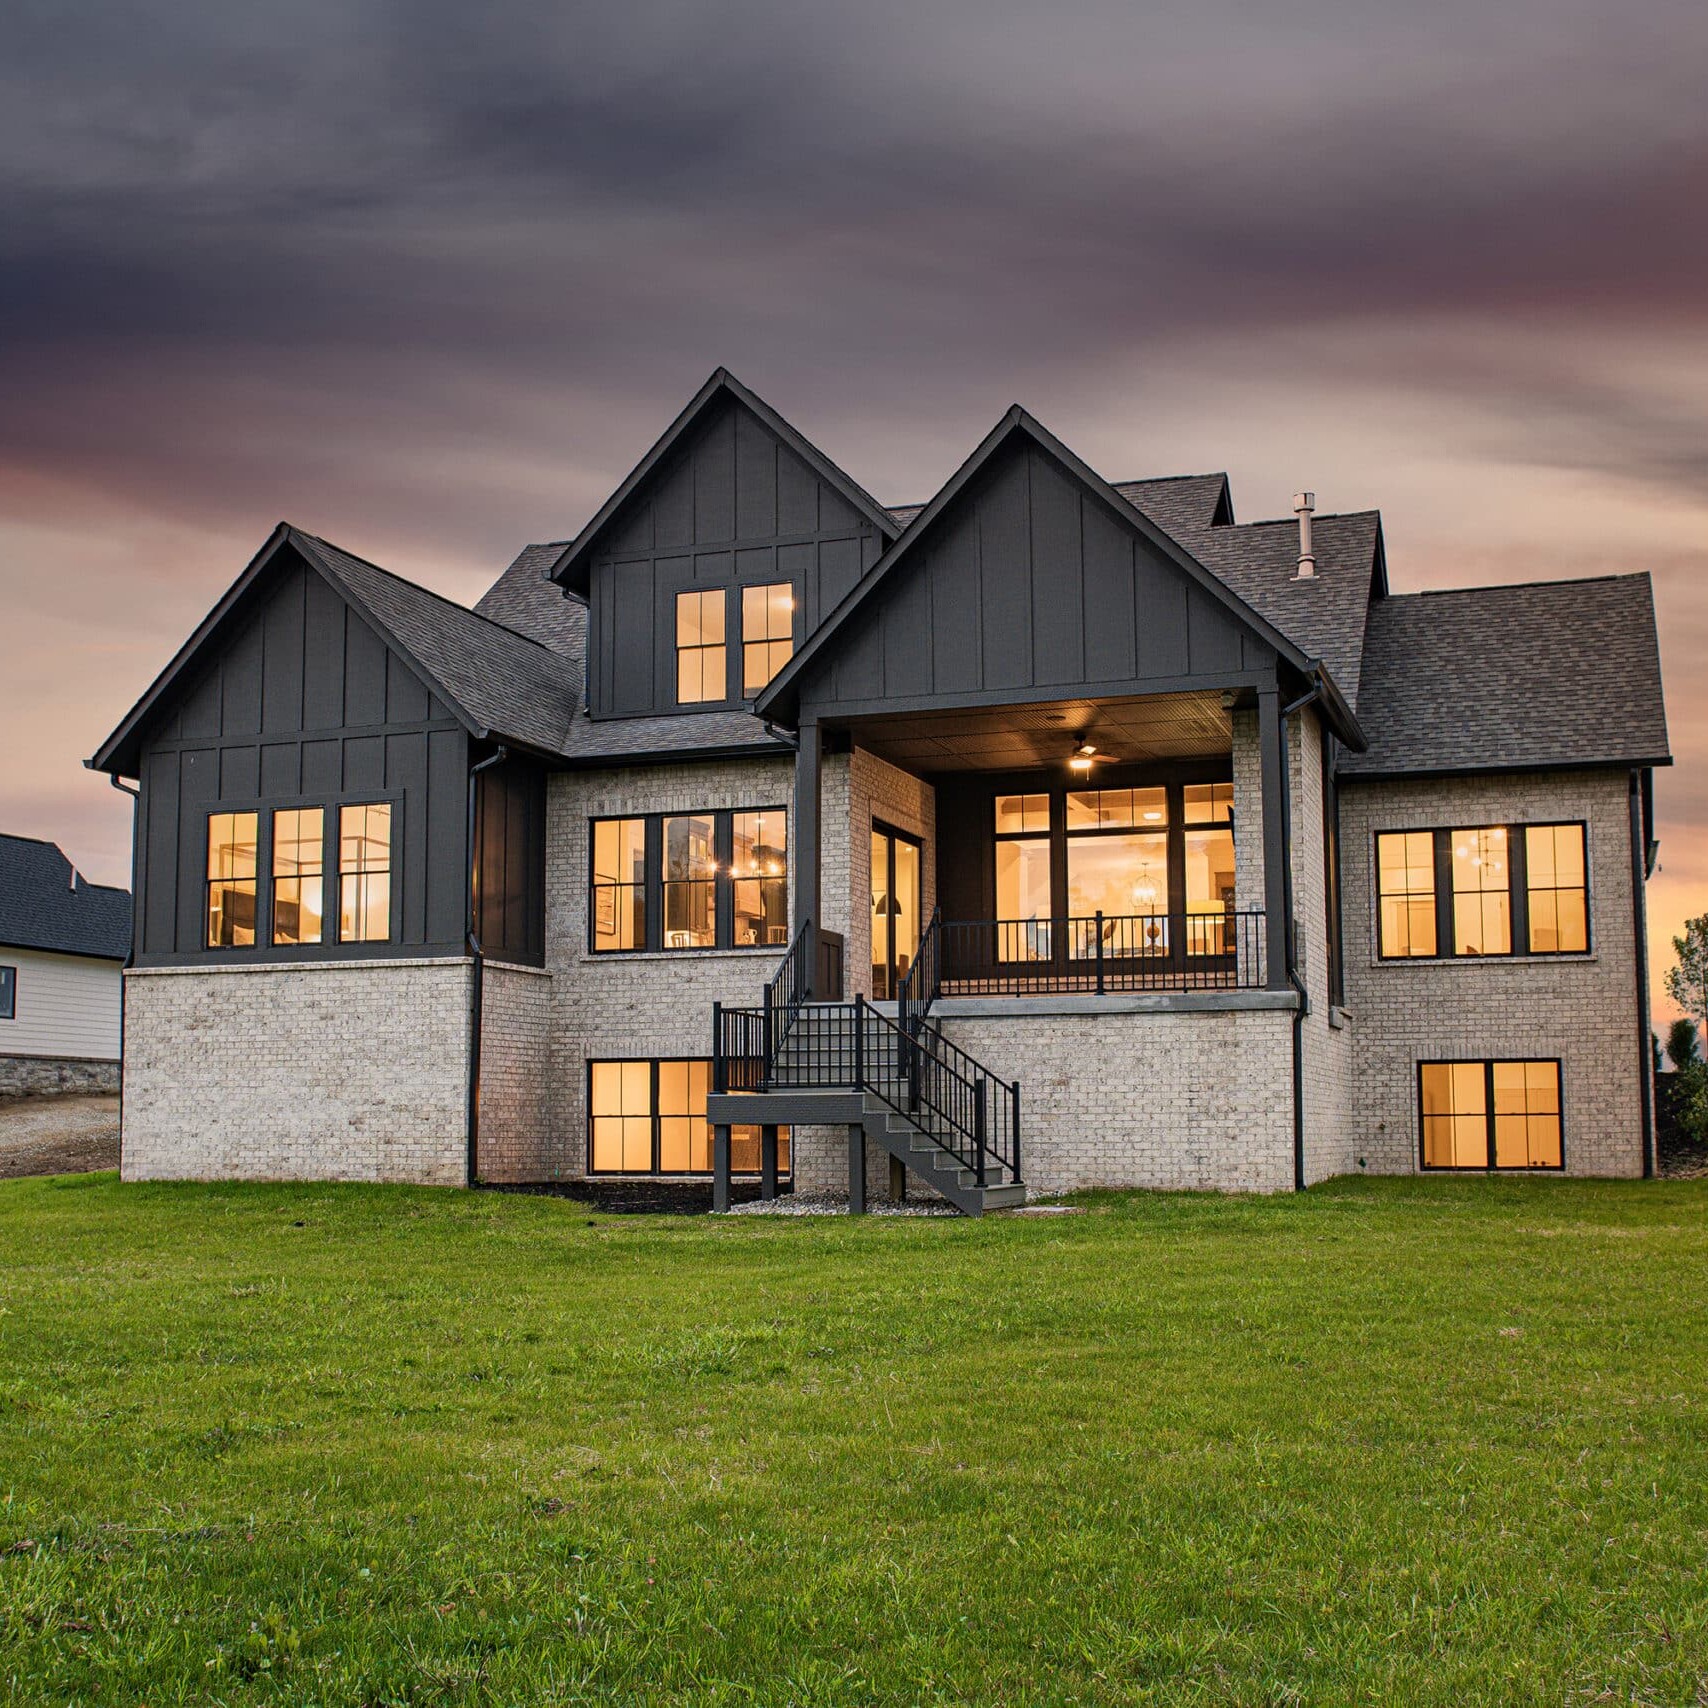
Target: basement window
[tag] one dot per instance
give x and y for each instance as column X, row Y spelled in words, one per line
column 1491, row 1114
column 649, row 1117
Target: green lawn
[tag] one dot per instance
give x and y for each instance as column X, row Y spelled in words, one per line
column 1432, row 1441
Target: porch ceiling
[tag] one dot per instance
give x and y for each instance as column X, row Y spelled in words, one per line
column 1014, row 738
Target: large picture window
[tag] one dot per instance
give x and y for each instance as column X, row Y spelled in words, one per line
column 364, row 873
column 1491, row 1114
column 649, row 1117
column 233, row 855
column 299, row 855
column 681, row 881
column 1482, row 891
column 702, row 658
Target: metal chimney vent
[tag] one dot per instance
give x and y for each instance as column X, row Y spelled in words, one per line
column 1303, row 504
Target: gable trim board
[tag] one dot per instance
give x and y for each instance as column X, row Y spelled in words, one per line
column 781, row 699
column 570, row 570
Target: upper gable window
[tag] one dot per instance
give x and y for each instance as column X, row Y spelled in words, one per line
column 232, row 849
column 767, row 633
column 702, row 660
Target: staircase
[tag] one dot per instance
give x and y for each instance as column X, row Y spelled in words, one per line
column 894, row 1082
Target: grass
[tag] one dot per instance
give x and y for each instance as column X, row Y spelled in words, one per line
column 1400, row 1441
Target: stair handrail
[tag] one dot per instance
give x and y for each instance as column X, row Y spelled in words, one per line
column 952, row 1097
column 785, row 992
column 917, row 988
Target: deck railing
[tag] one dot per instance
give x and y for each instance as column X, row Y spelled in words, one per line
column 1100, row 953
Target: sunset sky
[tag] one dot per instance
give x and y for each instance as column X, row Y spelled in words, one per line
column 428, row 280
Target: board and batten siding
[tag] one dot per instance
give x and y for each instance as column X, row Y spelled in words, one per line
column 305, row 705
column 733, row 506
column 1030, row 584
column 67, row 1007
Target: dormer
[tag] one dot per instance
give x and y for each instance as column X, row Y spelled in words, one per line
column 709, row 567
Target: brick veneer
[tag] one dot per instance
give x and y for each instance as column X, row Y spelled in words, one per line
column 1582, row 1009
column 336, row 1071
column 515, row 1142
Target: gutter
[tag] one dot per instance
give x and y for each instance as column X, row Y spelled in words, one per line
column 1640, row 864
column 130, row 953
column 477, row 977
column 1298, row 984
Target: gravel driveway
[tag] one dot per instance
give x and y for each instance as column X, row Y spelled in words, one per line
column 58, row 1135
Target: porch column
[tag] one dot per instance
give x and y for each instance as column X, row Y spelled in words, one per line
column 1274, row 850
column 720, row 1166
column 805, row 835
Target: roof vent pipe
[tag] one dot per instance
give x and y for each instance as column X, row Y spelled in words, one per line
column 1303, row 504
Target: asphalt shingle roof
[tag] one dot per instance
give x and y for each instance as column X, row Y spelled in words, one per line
column 1521, row 677
column 44, row 904
column 503, row 681
column 1177, row 501
column 523, row 599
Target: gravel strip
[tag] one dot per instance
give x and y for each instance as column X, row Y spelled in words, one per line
column 824, row 1204
column 58, row 1135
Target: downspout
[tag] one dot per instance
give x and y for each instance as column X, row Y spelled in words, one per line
column 1639, row 920
column 130, row 953
column 477, row 973
column 1298, row 984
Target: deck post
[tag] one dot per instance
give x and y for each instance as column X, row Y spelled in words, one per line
column 768, row 1162
column 856, row 1168
column 898, row 1181
column 804, row 833
column 1274, row 854
column 720, row 1166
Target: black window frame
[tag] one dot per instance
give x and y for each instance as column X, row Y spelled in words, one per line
column 735, row 642
column 330, row 938
column 723, row 906
column 1488, row 1064
column 1517, row 892
column 654, row 1171
column 8, row 991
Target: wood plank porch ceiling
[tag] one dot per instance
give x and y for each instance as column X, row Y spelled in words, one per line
column 1014, row 738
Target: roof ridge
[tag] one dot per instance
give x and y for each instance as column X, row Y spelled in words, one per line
column 1159, row 479
column 416, row 586
column 1512, row 586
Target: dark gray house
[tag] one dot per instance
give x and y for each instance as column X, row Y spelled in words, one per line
column 63, row 942
column 1054, row 833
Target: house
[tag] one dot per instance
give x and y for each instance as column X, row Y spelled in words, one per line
column 63, row 943
column 1053, row 833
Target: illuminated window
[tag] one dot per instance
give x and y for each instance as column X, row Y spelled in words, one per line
column 690, row 882
column 364, row 873
column 759, row 864
column 1116, row 809
column 1208, row 810
column 1491, row 1114
column 1015, row 813
column 1405, row 867
column 1527, row 1114
column 649, row 1117
column 1556, row 889
column 299, row 856
column 619, row 883
column 620, row 1106
column 232, row 838
column 1482, row 892
column 1209, row 803
column 1117, row 865
column 1023, row 878
column 767, row 634
column 702, row 670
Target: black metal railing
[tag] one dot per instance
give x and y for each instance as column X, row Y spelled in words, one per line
column 969, row 1111
column 1102, row 952
column 917, row 988
column 786, row 991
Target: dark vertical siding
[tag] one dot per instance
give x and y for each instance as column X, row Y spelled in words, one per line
column 733, row 507
column 1030, row 582
column 304, row 705
column 511, row 862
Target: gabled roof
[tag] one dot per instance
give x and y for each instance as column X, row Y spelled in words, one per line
column 1183, row 501
column 570, row 569
column 526, row 599
column 1526, row 677
column 497, row 683
column 781, row 698
column 46, row 904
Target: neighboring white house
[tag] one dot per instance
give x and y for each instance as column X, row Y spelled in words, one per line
column 63, row 944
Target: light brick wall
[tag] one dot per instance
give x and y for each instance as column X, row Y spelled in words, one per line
column 1582, row 1009
column 856, row 790
column 516, row 1126
column 335, row 1071
column 653, row 1004
column 1191, row 1100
